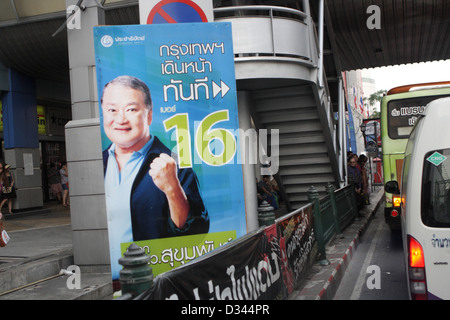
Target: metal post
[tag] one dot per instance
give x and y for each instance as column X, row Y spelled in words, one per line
column 306, row 7
column 313, row 196
column 342, row 140
column 321, row 23
column 266, row 214
column 330, row 190
column 272, row 32
column 136, row 276
column 248, row 166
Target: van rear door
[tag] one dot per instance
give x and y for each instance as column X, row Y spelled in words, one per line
column 435, row 216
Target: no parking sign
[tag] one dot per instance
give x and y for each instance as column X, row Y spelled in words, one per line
column 175, row 11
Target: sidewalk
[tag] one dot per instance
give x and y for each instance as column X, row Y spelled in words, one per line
column 40, row 247
column 323, row 281
column 37, row 232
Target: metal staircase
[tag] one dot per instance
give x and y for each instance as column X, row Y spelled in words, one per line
column 304, row 157
column 280, row 62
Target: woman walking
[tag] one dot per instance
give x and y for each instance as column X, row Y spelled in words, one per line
column 8, row 190
column 65, row 183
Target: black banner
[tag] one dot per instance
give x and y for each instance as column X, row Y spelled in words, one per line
column 245, row 269
column 296, row 239
column 264, row 265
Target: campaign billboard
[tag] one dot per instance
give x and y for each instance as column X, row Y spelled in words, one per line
column 170, row 140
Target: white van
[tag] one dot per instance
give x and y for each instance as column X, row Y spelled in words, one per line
column 425, row 193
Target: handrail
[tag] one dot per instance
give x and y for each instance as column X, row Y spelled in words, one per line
column 269, row 12
column 270, row 8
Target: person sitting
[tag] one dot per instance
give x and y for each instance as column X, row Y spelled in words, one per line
column 267, row 192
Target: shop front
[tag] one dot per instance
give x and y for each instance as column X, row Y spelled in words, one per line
column 51, row 120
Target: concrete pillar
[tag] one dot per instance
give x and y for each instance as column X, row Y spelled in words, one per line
column 21, row 140
column 83, row 143
column 248, row 170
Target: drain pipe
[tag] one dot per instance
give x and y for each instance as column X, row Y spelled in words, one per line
column 342, row 140
column 321, row 26
column 248, row 168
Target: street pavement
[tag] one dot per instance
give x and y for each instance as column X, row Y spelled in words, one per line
column 37, row 232
column 324, row 279
column 37, row 241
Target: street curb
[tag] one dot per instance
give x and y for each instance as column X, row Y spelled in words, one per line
column 323, row 281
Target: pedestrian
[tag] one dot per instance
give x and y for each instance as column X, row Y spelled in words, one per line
column 354, row 177
column 362, row 161
column 1, row 185
column 8, row 189
column 267, row 192
column 64, row 173
column 54, row 181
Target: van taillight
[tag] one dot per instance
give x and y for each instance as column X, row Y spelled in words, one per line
column 416, row 259
column 416, row 269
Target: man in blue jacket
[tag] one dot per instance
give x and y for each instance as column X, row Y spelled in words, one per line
column 147, row 195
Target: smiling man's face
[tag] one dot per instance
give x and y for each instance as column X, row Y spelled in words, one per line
column 126, row 118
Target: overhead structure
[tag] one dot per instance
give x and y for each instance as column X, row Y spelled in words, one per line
column 410, row 31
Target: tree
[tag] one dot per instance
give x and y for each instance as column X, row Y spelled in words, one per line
column 373, row 99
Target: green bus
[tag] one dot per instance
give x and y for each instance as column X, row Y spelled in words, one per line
column 400, row 109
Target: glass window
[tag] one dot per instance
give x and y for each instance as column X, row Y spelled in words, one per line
column 436, row 189
column 403, row 114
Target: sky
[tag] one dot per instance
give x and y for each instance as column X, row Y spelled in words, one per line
column 389, row 77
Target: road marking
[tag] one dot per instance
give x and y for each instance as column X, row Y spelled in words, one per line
column 362, row 274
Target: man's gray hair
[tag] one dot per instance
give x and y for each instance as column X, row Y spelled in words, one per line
column 133, row 83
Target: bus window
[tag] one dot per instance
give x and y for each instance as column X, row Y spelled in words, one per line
column 403, row 114
column 435, row 202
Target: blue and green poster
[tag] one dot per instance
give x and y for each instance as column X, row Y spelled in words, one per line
column 169, row 121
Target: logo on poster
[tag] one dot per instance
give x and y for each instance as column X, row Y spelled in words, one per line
column 107, row 41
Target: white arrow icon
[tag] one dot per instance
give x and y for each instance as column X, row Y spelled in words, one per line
column 223, row 88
